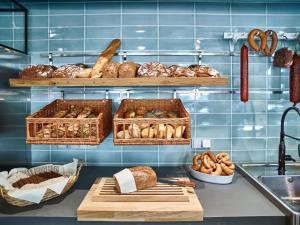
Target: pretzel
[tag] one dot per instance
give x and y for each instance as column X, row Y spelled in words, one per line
column 210, row 154
column 196, row 165
column 269, row 51
column 205, row 170
column 263, row 40
column 228, row 170
column 207, row 162
column 218, row 170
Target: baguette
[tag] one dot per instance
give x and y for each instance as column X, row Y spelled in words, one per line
column 105, row 56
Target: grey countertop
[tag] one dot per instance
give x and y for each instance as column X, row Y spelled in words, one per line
column 238, row 203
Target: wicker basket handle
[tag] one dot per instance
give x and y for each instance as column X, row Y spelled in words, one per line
column 81, row 163
column 1, row 191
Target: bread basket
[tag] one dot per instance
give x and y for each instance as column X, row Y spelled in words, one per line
column 48, row 195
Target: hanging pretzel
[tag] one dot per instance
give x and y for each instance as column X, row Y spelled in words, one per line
column 263, row 40
column 269, row 51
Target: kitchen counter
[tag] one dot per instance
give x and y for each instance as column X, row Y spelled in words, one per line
column 236, row 203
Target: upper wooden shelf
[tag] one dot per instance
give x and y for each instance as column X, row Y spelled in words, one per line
column 119, row 82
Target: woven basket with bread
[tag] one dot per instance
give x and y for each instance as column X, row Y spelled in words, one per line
column 23, row 187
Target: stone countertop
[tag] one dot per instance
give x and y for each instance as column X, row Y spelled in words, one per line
column 235, row 203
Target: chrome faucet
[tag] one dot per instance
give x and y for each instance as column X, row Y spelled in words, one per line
column 282, row 157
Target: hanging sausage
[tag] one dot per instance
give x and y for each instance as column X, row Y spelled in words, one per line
column 295, row 80
column 244, row 73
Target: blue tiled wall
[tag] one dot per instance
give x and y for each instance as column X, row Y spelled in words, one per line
column 248, row 131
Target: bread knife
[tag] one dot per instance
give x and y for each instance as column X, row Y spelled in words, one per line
column 180, row 183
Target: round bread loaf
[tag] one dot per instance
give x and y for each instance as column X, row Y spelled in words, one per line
column 68, row 71
column 111, row 70
column 180, row 71
column 37, row 71
column 154, row 69
column 128, row 70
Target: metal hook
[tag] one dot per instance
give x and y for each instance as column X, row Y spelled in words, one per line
column 199, row 58
column 63, row 94
column 174, row 94
column 107, row 94
column 50, row 58
column 284, row 39
column 124, row 57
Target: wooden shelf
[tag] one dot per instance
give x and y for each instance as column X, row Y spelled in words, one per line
column 119, row 82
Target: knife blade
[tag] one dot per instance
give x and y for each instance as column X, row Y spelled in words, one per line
column 180, row 183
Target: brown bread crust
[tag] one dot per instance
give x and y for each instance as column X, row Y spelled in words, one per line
column 144, row 176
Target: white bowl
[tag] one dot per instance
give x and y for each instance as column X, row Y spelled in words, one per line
column 211, row 178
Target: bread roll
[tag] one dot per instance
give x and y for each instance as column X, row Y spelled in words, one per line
column 179, row 131
column 111, row 70
column 134, row 131
column 170, row 131
column 148, row 132
column 128, row 70
column 144, row 177
column 123, row 134
column 129, row 114
column 160, row 131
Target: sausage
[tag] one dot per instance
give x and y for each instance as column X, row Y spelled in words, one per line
column 295, row 80
column 244, row 74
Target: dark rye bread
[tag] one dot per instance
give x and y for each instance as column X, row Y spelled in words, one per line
column 36, row 179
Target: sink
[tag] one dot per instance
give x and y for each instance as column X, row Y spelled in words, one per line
column 282, row 190
column 287, row 187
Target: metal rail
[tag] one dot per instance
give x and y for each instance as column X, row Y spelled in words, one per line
column 174, row 92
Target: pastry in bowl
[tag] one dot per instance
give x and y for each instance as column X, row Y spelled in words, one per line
column 213, row 168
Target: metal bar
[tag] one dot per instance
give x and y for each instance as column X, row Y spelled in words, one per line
column 151, row 53
column 297, row 139
column 173, row 92
column 9, row 49
column 244, row 35
column 26, row 30
column 18, row 4
column 11, row 10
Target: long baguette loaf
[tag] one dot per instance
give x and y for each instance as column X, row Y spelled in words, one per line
column 145, row 177
column 105, row 56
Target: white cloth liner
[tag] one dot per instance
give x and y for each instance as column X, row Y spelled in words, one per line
column 126, row 181
column 36, row 195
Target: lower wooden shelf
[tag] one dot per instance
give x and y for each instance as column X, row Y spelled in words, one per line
column 119, row 82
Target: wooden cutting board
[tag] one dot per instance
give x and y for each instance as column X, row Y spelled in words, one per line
column 102, row 203
column 105, row 192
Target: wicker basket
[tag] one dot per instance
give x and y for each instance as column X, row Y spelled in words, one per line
column 121, row 124
column 93, row 130
column 48, row 195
